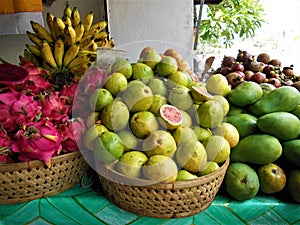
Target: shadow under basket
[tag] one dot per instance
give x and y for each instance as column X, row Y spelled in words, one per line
column 163, row 200
column 26, row 181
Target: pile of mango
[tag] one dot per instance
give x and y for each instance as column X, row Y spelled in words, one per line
column 267, row 158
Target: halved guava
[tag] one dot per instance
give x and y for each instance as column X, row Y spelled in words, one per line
column 171, row 116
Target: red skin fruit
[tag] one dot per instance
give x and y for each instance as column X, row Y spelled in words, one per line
column 274, row 81
column 258, row 77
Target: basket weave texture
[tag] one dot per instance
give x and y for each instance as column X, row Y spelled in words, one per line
column 26, row 181
column 165, row 200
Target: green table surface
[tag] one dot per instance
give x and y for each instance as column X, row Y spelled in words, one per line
column 88, row 206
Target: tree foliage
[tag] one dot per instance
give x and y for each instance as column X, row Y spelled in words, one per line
column 229, row 20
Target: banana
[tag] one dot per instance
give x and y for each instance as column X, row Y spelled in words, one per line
column 90, row 32
column 100, row 36
column 41, row 32
column 34, row 38
column 79, row 30
column 49, row 21
column 88, row 20
column 47, row 54
column 79, row 60
column 69, row 35
column 103, row 43
column 28, row 56
column 46, row 66
column 67, row 11
column 80, row 70
column 67, row 20
column 86, row 41
column 59, row 50
column 71, row 53
column 111, row 43
column 75, row 16
column 58, row 26
column 91, row 47
column 86, row 52
column 99, row 25
column 34, row 49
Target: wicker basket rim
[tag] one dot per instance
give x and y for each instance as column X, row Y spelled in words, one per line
column 8, row 167
column 109, row 172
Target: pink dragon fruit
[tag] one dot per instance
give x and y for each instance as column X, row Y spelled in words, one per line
column 17, row 108
column 12, row 75
column 55, row 107
column 37, row 140
column 5, row 147
column 72, row 132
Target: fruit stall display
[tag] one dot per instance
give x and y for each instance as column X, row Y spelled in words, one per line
column 38, row 144
column 152, row 121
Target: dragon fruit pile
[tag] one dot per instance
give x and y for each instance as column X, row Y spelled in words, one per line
column 36, row 120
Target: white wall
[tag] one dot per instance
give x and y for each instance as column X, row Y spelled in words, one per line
column 163, row 24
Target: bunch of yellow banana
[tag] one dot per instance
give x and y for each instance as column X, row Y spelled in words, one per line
column 69, row 43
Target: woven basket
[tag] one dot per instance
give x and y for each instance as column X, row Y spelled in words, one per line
column 163, row 200
column 26, row 181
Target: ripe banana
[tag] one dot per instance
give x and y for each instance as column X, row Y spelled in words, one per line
column 75, row 16
column 69, row 35
column 67, row 20
column 88, row 20
column 86, row 52
column 49, row 21
column 86, row 41
column 67, row 11
column 100, row 36
column 70, row 54
column 79, row 60
column 80, row 70
column 79, row 30
column 111, row 43
column 91, row 47
column 99, row 25
column 41, row 32
column 59, row 50
column 58, row 27
column 47, row 54
column 34, row 49
column 34, row 38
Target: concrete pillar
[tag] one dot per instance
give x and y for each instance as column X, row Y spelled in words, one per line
column 163, row 24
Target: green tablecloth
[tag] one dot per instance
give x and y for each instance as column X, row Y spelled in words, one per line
column 86, row 206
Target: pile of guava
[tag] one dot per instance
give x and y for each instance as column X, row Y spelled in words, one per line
column 154, row 120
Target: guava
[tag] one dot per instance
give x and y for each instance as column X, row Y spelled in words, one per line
column 177, row 78
column 115, row 83
column 92, row 119
column 182, row 134
column 151, row 58
column 100, row 98
column 145, row 50
column 241, row 181
column 191, row 155
column 185, row 175
column 210, row 114
column 159, row 142
column 223, row 102
column 180, row 97
column 129, row 140
column 217, row 148
column 115, row 115
column 130, row 163
column 160, row 168
column 187, row 120
column 201, row 133
column 158, row 86
column 143, row 123
column 272, row 178
column 108, row 147
column 141, row 71
column 166, row 66
column 137, row 96
column 217, row 84
column 170, row 116
column 92, row 133
column 158, row 101
column 122, row 66
column 199, row 95
column 209, row 167
column 229, row 132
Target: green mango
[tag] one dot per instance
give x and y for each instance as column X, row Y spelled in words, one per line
column 244, row 123
column 283, row 125
column 291, row 151
column 296, row 111
column 257, row 149
column 245, row 94
column 282, row 99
